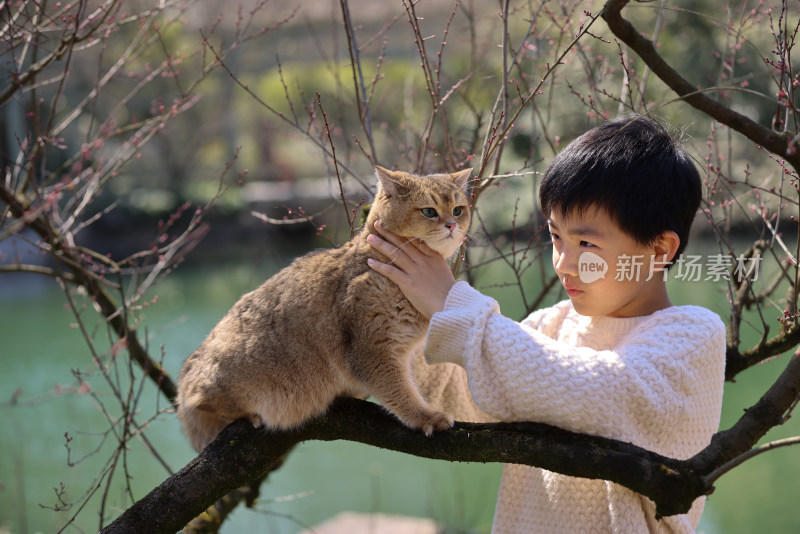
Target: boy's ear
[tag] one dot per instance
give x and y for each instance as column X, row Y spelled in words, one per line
column 666, row 245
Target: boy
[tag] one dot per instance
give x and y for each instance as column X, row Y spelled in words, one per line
column 616, row 359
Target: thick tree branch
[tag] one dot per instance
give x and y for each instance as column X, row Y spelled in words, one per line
column 242, row 453
column 771, row 410
column 210, row 521
column 775, row 142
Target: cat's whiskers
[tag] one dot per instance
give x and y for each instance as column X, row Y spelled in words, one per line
column 472, row 238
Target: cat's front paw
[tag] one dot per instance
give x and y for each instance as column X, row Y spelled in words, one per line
column 437, row 421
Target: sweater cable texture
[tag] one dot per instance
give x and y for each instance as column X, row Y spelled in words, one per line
column 655, row 381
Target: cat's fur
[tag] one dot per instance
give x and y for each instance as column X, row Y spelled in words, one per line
column 325, row 326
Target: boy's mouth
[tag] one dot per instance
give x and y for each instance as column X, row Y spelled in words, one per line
column 572, row 291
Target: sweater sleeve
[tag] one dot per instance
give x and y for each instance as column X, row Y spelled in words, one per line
column 665, row 375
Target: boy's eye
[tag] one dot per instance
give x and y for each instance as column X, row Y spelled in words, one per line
column 428, row 212
column 457, row 211
column 586, row 244
column 554, row 236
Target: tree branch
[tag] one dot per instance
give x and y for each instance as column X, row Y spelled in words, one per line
column 775, row 142
column 737, row 361
column 210, row 521
column 65, row 255
column 241, row 453
column 771, row 410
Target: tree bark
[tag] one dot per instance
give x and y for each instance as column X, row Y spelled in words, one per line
column 241, row 453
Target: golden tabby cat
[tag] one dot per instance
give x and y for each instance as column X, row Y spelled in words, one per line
column 327, row 325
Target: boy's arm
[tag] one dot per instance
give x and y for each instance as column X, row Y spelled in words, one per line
column 663, row 376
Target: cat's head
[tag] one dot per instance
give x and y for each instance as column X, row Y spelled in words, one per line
column 433, row 208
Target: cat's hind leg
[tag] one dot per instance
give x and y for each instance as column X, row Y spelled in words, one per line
column 201, row 426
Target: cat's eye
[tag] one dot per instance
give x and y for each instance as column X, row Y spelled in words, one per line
column 428, row 212
column 457, row 211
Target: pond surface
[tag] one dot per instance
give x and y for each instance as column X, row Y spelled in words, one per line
column 40, row 347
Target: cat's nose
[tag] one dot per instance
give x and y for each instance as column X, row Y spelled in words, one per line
column 450, row 225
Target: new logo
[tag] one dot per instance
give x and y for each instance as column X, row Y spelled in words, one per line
column 591, row 267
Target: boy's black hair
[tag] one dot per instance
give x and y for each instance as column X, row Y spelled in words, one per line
column 632, row 169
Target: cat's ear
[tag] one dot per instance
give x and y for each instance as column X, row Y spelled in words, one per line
column 460, row 178
column 388, row 180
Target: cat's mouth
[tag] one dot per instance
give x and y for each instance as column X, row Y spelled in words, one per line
column 447, row 244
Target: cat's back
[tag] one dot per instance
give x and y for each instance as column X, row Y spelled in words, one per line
column 320, row 298
column 316, row 282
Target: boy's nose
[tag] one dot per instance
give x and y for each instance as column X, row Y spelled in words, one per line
column 565, row 262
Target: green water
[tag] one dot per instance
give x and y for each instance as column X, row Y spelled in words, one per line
column 39, row 348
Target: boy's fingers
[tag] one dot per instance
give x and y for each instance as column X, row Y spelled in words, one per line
column 400, row 251
column 391, row 237
column 389, row 271
column 424, row 248
column 416, row 245
column 384, row 247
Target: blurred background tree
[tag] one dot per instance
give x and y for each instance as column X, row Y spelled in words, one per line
column 141, row 134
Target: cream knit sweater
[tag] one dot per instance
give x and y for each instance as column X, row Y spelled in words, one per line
column 655, row 381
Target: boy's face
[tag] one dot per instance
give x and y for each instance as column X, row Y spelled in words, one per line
column 605, row 271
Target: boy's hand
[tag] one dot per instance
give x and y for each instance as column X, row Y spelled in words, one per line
column 421, row 273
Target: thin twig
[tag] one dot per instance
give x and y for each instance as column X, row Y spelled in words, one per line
column 712, row 477
column 350, row 221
